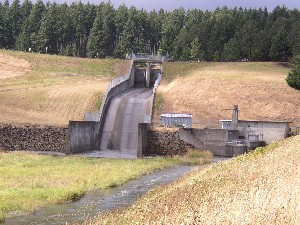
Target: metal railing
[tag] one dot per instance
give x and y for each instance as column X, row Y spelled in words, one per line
column 237, row 142
column 145, row 56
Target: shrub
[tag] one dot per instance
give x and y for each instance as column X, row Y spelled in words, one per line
column 293, row 78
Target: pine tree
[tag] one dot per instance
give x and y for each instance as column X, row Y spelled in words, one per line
column 25, row 9
column 13, row 23
column 48, row 35
column 2, row 26
column 102, row 38
column 33, row 24
column 129, row 39
column 293, row 78
column 120, row 22
column 196, row 52
column 172, row 25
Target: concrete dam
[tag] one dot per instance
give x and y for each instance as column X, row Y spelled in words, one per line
column 119, row 128
column 126, row 111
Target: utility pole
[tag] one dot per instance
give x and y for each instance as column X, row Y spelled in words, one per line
column 235, row 117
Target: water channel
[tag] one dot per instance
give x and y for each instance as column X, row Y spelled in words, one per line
column 93, row 203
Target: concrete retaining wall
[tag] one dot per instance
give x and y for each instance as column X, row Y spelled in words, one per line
column 214, row 140
column 91, row 116
column 32, row 138
column 142, row 139
column 82, row 135
column 269, row 131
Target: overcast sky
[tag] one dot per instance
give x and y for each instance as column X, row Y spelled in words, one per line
column 201, row 4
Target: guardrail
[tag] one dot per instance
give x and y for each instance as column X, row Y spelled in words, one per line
column 141, row 56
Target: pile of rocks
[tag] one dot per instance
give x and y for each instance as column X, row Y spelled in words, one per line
column 32, row 138
column 166, row 143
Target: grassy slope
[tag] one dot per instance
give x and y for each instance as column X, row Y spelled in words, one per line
column 48, row 89
column 29, row 181
column 207, row 89
column 259, row 188
column 54, row 89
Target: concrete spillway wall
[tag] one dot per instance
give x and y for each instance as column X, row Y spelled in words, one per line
column 116, row 86
column 86, row 135
column 151, row 99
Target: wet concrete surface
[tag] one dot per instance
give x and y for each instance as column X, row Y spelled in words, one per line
column 120, row 132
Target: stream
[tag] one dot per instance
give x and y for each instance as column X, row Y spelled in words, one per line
column 95, row 202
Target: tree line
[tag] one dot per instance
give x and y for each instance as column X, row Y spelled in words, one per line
column 89, row 30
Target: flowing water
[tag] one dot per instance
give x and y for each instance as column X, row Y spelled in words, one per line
column 93, row 203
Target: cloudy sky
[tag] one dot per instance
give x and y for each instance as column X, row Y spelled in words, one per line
column 202, row 4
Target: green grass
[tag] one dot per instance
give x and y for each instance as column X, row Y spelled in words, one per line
column 158, row 103
column 29, row 181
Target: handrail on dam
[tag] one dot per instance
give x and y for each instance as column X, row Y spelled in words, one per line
column 145, row 56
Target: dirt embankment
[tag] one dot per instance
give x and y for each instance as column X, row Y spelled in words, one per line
column 12, row 67
column 209, row 91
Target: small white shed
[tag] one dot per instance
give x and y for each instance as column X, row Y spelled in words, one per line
column 176, row 119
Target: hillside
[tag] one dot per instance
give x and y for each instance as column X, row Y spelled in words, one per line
column 258, row 188
column 46, row 89
column 207, row 89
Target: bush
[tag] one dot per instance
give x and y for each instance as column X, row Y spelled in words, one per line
column 293, row 78
column 195, row 153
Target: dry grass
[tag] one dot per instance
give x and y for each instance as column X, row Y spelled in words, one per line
column 259, row 188
column 46, row 89
column 207, row 89
column 195, row 153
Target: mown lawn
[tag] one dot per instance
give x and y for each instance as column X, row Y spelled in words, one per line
column 29, row 181
column 259, row 188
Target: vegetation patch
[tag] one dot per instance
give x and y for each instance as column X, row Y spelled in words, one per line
column 29, row 181
column 195, row 153
column 258, row 188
